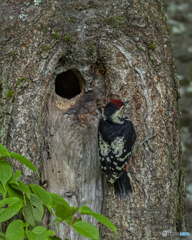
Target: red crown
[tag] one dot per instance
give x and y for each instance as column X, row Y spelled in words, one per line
column 119, row 103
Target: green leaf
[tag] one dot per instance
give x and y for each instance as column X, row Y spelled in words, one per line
column 37, row 207
column 86, row 229
column 14, row 192
column 56, row 199
column 102, row 219
column 14, row 185
column 25, row 189
column 45, row 235
column 13, row 181
column 64, row 212
column 39, row 229
column 30, row 217
column 2, row 236
column 42, row 233
column 30, row 235
column 15, row 231
column 17, row 175
column 43, row 195
column 9, row 212
column 4, row 152
column 74, row 210
column 14, row 178
column 25, row 161
column 5, row 172
column 9, row 201
column 2, row 190
column 26, row 224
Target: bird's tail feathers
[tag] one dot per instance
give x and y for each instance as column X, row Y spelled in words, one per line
column 123, row 185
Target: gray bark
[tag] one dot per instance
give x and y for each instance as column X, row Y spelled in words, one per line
column 118, row 50
column 180, row 22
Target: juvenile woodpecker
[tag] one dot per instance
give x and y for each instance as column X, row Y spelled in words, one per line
column 116, row 137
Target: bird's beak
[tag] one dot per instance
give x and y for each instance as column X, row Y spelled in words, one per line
column 126, row 102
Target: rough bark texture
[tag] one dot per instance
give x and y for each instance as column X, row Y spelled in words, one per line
column 180, row 21
column 115, row 49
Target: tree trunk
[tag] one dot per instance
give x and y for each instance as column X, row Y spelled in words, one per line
column 181, row 27
column 61, row 62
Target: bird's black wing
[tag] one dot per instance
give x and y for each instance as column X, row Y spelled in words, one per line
column 115, row 147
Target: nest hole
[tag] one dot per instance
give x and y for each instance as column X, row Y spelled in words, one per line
column 69, row 84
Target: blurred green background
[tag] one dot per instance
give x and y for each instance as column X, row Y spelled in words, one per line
column 179, row 19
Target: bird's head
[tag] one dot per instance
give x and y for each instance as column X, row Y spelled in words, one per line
column 113, row 111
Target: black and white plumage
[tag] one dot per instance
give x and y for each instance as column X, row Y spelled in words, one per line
column 116, row 137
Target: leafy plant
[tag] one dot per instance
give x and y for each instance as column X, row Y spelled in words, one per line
column 33, row 200
column 11, row 53
column 38, row 52
column 67, row 38
column 10, row 94
column 47, row 48
column 56, row 35
column 151, row 46
column 20, row 80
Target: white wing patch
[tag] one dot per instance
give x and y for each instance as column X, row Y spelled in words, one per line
column 118, row 146
column 119, row 168
column 123, row 159
column 104, row 147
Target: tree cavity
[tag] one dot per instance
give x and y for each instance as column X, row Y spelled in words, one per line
column 69, row 84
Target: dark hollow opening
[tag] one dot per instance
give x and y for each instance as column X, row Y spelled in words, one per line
column 67, row 85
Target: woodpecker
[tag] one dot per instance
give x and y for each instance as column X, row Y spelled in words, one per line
column 116, row 138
